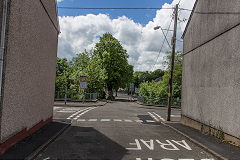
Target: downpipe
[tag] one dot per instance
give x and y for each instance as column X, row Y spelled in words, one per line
column 2, row 45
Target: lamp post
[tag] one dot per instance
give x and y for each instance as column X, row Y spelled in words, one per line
column 172, row 61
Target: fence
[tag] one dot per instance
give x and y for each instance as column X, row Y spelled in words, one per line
column 71, row 96
column 158, row 101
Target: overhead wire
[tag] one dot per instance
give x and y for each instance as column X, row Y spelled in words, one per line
column 83, row 8
column 162, row 45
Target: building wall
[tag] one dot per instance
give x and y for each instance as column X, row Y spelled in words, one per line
column 211, row 72
column 30, row 66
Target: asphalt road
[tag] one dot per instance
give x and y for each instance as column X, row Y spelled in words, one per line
column 120, row 130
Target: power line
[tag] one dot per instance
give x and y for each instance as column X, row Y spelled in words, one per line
column 162, row 45
column 112, row 8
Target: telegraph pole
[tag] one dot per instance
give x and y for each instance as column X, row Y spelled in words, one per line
column 172, row 63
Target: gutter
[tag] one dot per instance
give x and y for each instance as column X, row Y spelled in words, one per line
column 2, row 45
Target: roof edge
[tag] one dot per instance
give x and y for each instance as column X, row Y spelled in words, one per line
column 190, row 18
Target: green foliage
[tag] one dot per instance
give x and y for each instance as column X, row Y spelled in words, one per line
column 107, row 67
column 113, row 61
column 153, row 92
column 140, row 77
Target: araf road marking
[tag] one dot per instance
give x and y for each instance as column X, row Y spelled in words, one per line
column 173, row 159
column 150, row 145
column 162, row 119
column 117, row 120
column 92, row 120
column 137, row 144
column 127, row 120
column 153, row 116
column 140, row 121
column 166, row 146
column 105, row 120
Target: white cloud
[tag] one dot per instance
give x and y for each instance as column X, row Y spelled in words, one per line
column 142, row 42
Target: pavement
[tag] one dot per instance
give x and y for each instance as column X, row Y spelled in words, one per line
column 29, row 146
column 123, row 130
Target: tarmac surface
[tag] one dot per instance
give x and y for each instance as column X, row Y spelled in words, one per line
column 120, row 130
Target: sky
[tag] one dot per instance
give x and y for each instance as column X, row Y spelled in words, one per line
column 81, row 29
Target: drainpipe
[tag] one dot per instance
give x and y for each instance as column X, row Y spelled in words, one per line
column 2, row 45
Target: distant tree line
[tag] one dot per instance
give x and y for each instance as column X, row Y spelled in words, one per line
column 106, row 68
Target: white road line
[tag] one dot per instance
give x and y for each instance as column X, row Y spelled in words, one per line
column 139, row 121
column 83, row 113
column 70, row 117
column 153, row 117
column 117, row 120
column 127, row 120
column 81, row 120
column 162, row 119
column 92, row 120
column 150, row 121
column 105, row 120
column 66, row 111
column 175, row 115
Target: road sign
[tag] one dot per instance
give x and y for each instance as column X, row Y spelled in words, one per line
column 83, row 79
column 83, row 82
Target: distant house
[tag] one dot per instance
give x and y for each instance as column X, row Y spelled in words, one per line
column 29, row 38
column 211, row 68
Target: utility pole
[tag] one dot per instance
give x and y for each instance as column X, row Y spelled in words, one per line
column 172, row 63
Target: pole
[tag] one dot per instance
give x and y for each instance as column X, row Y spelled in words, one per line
column 65, row 99
column 172, row 64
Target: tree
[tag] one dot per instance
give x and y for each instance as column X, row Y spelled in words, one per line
column 113, row 61
column 62, row 67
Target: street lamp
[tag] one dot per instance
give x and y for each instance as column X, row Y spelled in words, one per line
column 172, row 62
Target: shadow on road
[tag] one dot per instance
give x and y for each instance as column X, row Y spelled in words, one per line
column 24, row 148
column 84, row 143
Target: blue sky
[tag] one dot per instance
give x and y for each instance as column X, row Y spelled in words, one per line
column 139, row 16
column 81, row 29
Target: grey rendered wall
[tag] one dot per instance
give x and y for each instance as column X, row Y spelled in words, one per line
column 29, row 72
column 211, row 73
column 204, row 27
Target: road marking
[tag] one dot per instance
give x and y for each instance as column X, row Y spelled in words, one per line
column 153, row 116
column 174, row 159
column 162, row 119
column 65, row 111
column 83, row 113
column 81, row 120
column 175, row 115
column 105, row 120
column 92, row 120
column 127, row 120
column 70, row 117
column 150, row 121
column 117, row 120
column 171, row 145
column 139, row 121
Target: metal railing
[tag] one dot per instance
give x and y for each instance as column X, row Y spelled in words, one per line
column 71, row 96
column 158, row 101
